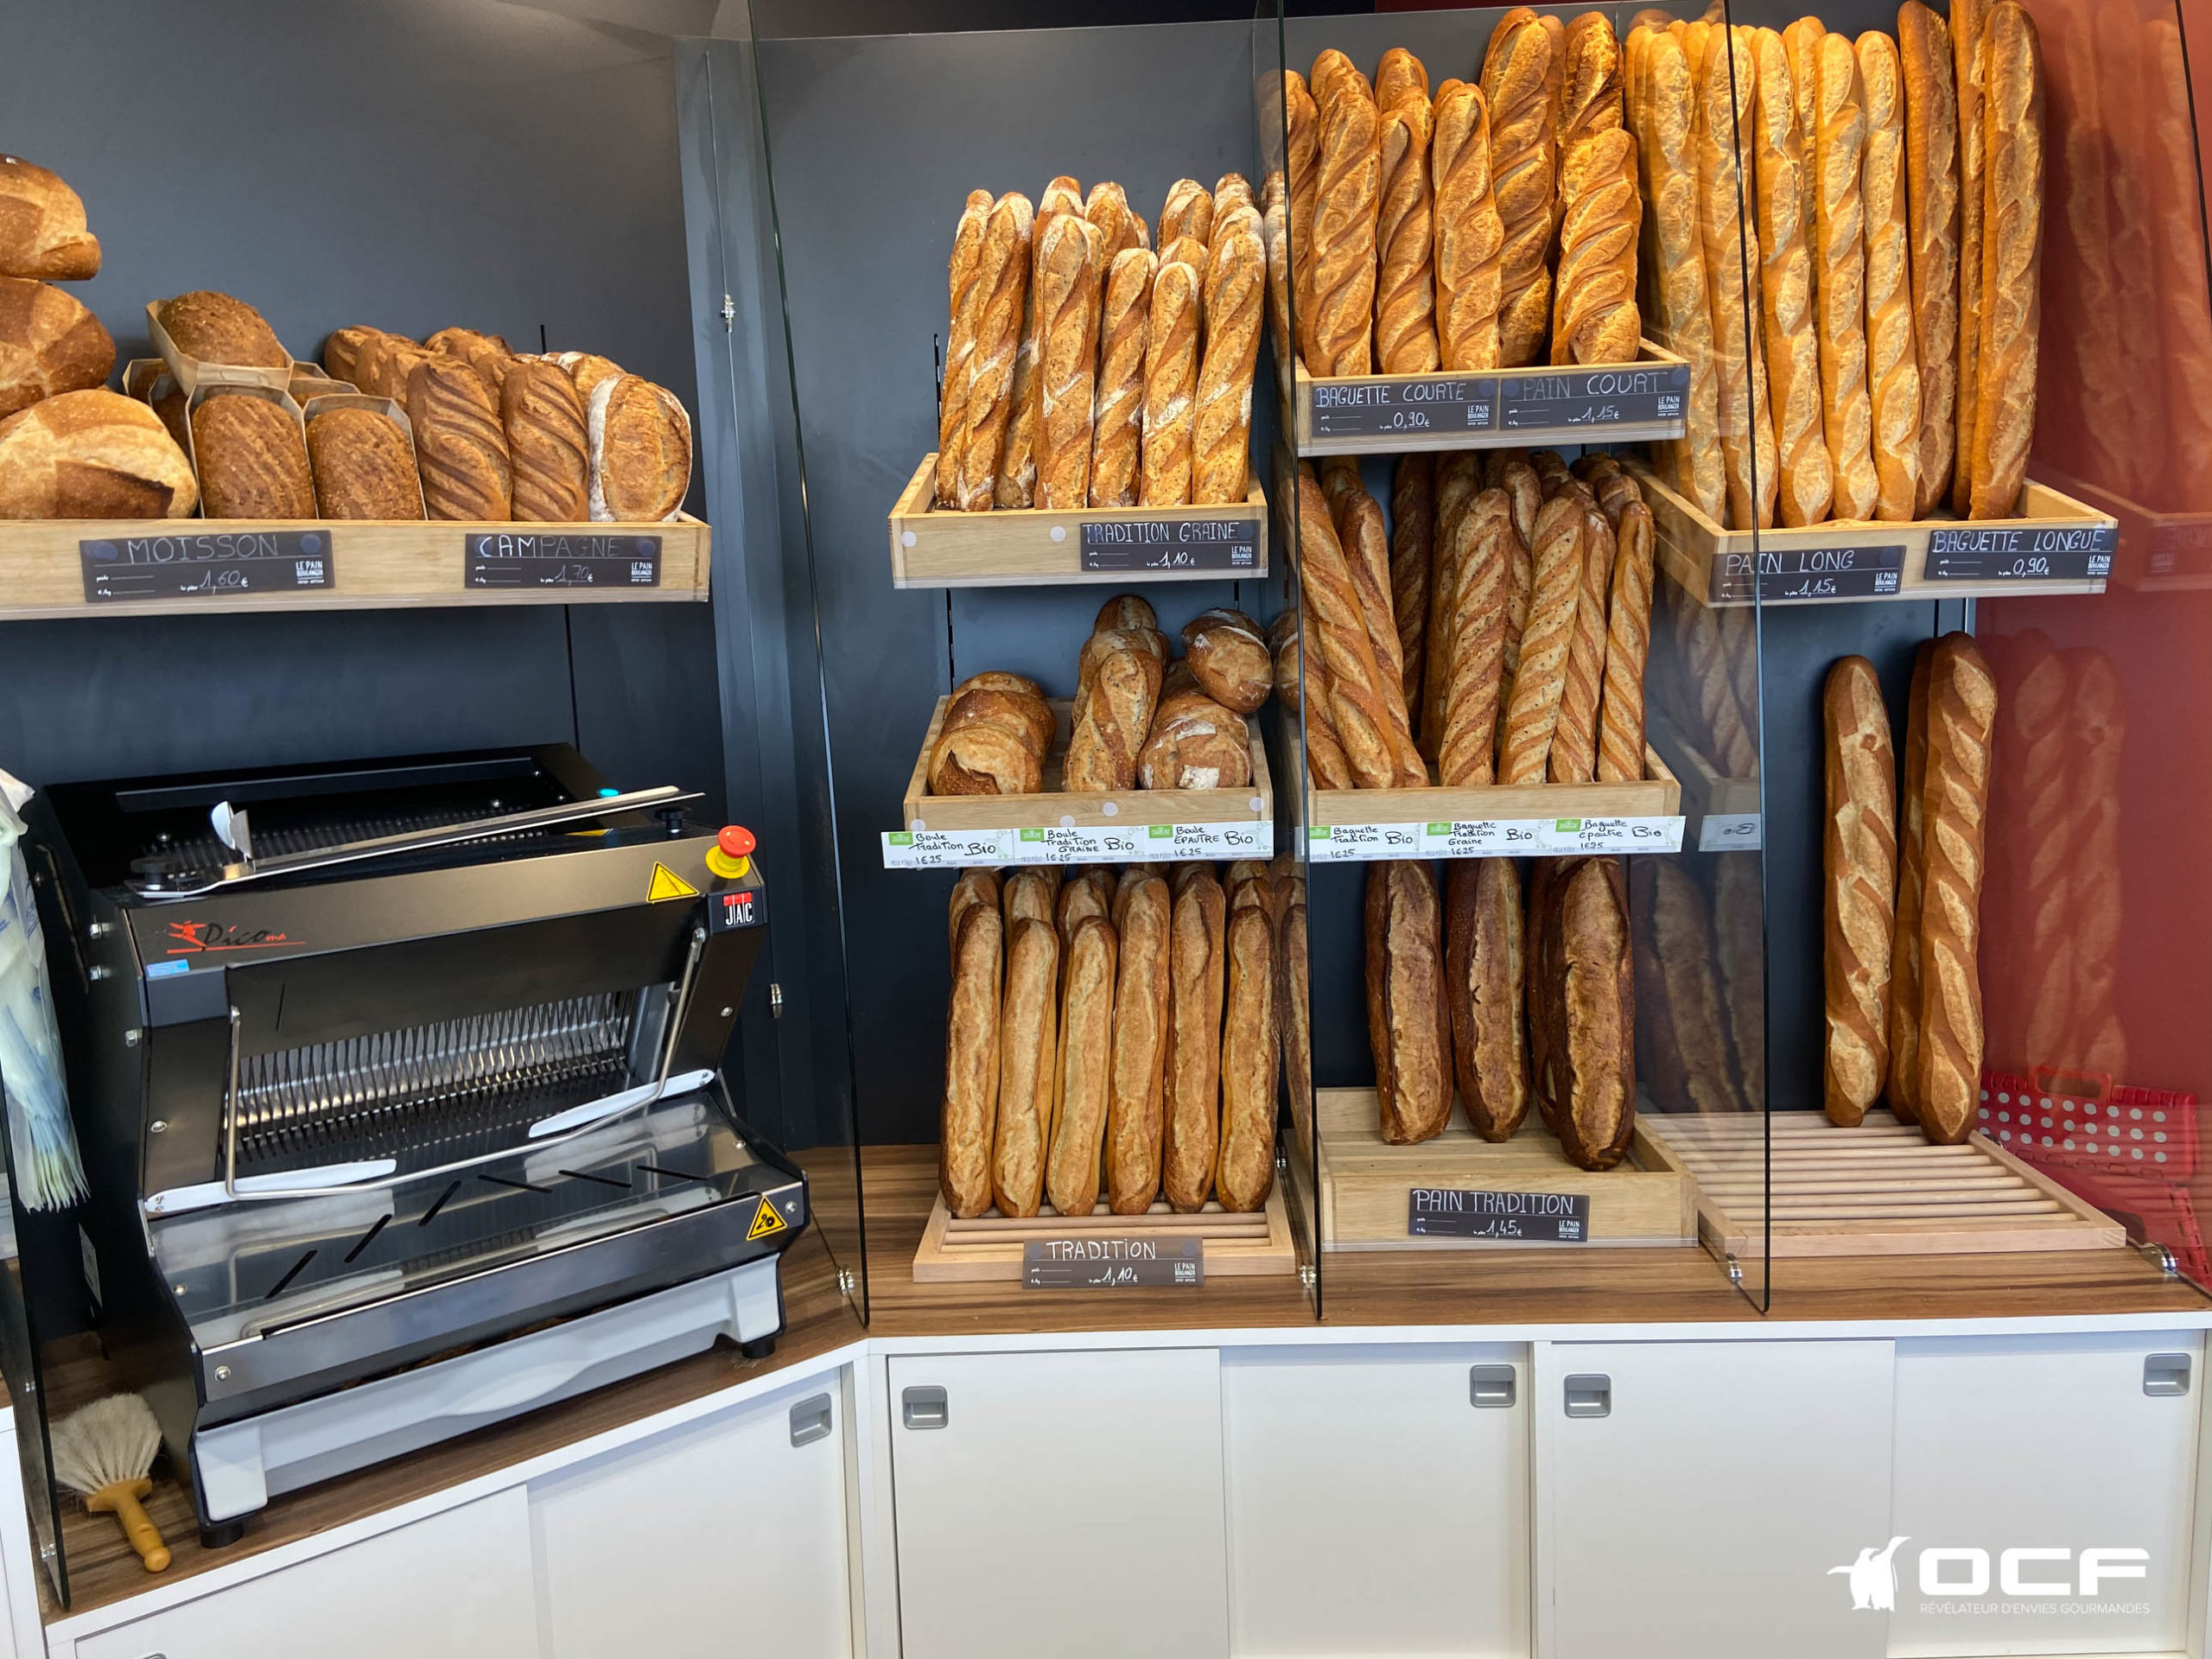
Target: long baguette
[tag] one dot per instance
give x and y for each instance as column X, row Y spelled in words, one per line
column 1221, row 433
column 1246, row 1172
column 1117, row 411
column 1412, row 534
column 1962, row 719
column 999, row 304
column 1143, row 1020
column 971, row 1063
column 1028, row 1042
column 1678, row 286
column 1405, row 289
column 1793, row 350
column 1532, row 708
column 1484, row 981
column 1302, row 119
column 1573, row 758
column 1912, row 877
column 1482, row 559
column 1470, row 233
column 1524, row 138
column 1892, row 366
column 1171, row 382
column 1628, row 647
column 1458, row 478
column 1838, row 147
column 1967, row 18
column 1069, row 272
column 1347, row 199
column 1360, row 712
column 1084, row 1076
column 959, row 344
column 1191, row 1139
column 1747, row 449
column 1859, row 886
column 1407, row 1021
column 2010, row 65
column 1931, row 154
column 1595, row 313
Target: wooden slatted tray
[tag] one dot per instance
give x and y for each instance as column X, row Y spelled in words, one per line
column 1881, row 1189
column 1649, row 1199
column 989, row 1247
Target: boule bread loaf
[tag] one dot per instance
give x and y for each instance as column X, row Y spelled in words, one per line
column 218, row 329
column 1195, row 743
column 461, row 448
column 364, row 466
column 1228, row 654
column 1113, row 717
column 252, row 459
column 640, row 451
column 43, row 235
column 49, row 344
column 92, row 455
column 548, row 444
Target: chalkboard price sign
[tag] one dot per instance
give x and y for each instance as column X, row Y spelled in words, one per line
column 1445, row 1212
column 1799, row 573
column 206, row 567
column 522, row 558
column 1599, row 398
column 1228, row 544
column 1439, row 406
column 1113, row 1263
column 2000, row 552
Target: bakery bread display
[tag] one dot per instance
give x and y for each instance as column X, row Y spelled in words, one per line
column 218, row 329
column 42, row 232
column 92, row 455
column 49, row 344
column 251, row 458
column 363, row 466
column 1859, row 852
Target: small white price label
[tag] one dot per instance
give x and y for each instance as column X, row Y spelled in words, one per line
column 1613, row 836
column 1729, row 832
column 1356, row 844
column 944, row 850
column 1483, row 838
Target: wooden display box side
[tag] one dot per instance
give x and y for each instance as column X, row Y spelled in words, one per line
column 1132, row 808
column 2160, row 552
column 1013, row 547
column 988, row 1248
column 1692, row 548
column 1705, row 792
column 1659, row 795
column 1650, row 1200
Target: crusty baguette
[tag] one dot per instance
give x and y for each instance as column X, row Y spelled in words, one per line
column 1083, row 1076
column 1912, row 877
column 1739, row 951
column 1725, row 84
column 1413, row 551
column 1518, row 480
column 1246, row 1171
column 1961, row 718
column 2011, row 69
column 2096, row 739
column 1793, row 350
column 1360, row 713
column 1235, row 307
column 1858, row 849
column 1302, row 119
column 1532, row 708
column 1069, row 269
column 1595, row 313
column 971, row 1063
column 1682, row 1053
column 1030, row 894
column 1838, row 152
column 1458, row 478
column 959, row 341
column 1106, row 206
column 1192, row 1138
column 1680, row 298
column 1300, row 682
column 1931, row 155
column 1088, row 892
column 1967, row 18
column 1015, row 484
column 1000, row 300
column 1628, row 647
column 1134, row 1118
column 1347, row 198
column 1892, row 366
column 1408, row 1025
column 1367, row 552
column 1573, row 758
column 1294, row 1008
column 1482, row 559
column 1484, row 981
column 1117, row 410
column 1405, row 285
column 1028, row 1045
column 1583, row 997
column 975, row 886
column 1524, row 139
column 1188, row 211
column 1470, row 234
column 1170, row 384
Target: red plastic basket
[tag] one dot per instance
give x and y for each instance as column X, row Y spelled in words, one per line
column 2090, row 1123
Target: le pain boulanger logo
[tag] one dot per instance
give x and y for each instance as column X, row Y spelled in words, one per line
column 191, row 939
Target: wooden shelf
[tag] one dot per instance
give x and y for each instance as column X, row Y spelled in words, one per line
column 1365, row 1183
column 1859, row 562
column 1393, row 414
column 1056, row 827
column 2159, row 552
column 364, row 564
column 1720, row 815
column 989, row 1247
column 1031, row 548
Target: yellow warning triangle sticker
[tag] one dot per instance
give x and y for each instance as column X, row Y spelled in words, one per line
column 765, row 1222
column 667, row 884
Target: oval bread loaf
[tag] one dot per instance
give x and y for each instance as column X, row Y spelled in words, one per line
column 252, row 460
column 640, row 451
column 364, row 467
column 218, row 329
column 543, row 417
column 1228, row 655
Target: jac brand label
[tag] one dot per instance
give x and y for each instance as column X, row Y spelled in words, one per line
column 211, row 567
column 1445, row 1213
column 745, row 907
column 1437, row 407
column 1799, row 573
column 510, row 558
column 1596, row 398
column 1172, row 544
column 191, row 939
column 2023, row 552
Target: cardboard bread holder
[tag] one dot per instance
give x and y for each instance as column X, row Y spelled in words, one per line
column 191, row 371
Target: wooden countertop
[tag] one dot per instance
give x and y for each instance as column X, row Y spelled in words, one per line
column 1655, row 1286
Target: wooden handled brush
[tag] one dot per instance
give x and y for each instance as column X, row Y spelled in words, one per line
column 103, row 1454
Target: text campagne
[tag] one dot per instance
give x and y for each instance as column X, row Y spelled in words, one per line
column 1396, row 394
column 1167, row 533
column 1446, row 1201
column 203, row 550
column 506, row 545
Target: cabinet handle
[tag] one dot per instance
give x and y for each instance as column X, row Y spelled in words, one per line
column 924, row 1406
column 1491, row 1387
column 810, row 1420
column 1590, row 1395
column 2166, row 1374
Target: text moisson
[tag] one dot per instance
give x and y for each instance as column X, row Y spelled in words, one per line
column 201, row 549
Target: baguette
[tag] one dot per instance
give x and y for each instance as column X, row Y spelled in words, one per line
column 1196, row 969
column 1293, row 1008
column 1117, row 412
column 1582, row 985
column 1413, row 551
column 1170, row 382
column 1628, row 647
column 2035, row 785
column 1573, row 756
column 1458, row 478
column 1028, row 1042
column 1912, row 876
column 1188, row 211
column 971, row 1063
column 1407, row 1022
column 999, row 298
column 1068, row 271
column 1405, row 286
column 1893, row 368
column 1030, row 894
column 1838, row 151
column 1347, row 198
column 1135, row 1124
column 2096, row 736
column 1747, row 452
column 1931, row 157
column 1532, row 708
column 977, row 886
column 1300, row 682
column 1235, row 302
column 1595, row 318
column 1678, row 285
column 1523, row 137
column 1859, row 886
column 1359, row 714
column 1961, row 716
column 1015, row 483
column 1088, row 893
column 1367, row 554
column 1518, row 480
column 1483, row 985
column 1681, row 1039
column 1082, row 1077
column 1482, row 559
column 1470, row 234
column 2010, row 66
column 1793, row 350
column 1967, row 18
column 1740, row 948
column 959, row 342
column 1302, row 129
column 1106, row 207
column 1246, row 1171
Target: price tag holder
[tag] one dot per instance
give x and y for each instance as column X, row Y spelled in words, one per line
column 192, row 566
column 946, row 849
column 1432, row 406
column 1541, row 1217
column 1613, row 836
column 1177, row 1262
column 523, row 559
column 1358, row 843
column 1482, row 838
column 1729, row 832
column 1229, row 545
column 1800, row 573
column 1594, row 397
column 1999, row 552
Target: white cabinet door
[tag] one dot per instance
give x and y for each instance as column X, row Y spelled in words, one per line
column 719, row 1538
column 456, row 1586
column 1070, row 1504
column 1702, row 1513
column 2049, row 1447
column 1375, row 1507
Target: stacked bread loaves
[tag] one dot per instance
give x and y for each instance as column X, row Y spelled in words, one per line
column 1113, row 1038
column 1895, row 194
column 1141, row 718
column 1501, row 1000
column 1083, row 368
column 1497, row 629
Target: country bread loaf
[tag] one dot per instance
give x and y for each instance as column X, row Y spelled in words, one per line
column 1484, row 983
column 967, row 1118
column 1228, row 654
column 1931, row 154
column 1112, row 718
column 461, row 448
column 640, row 451
column 49, row 343
column 363, row 466
column 218, row 328
column 1117, row 410
column 1136, row 1103
column 43, row 235
column 1083, row 1078
column 548, row 444
column 92, row 455
column 1197, row 984
column 1408, row 1025
column 252, row 459
column 987, row 745
column 997, row 302
column 2010, row 65
column 1858, row 888
column 1962, row 719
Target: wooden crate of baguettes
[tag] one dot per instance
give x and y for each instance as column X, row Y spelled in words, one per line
column 487, row 436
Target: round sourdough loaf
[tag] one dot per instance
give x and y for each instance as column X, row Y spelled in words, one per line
column 1228, row 655
column 640, row 450
column 91, row 454
column 217, row 328
column 252, row 462
column 49, row 343
column 364, row 466
column 43, row 231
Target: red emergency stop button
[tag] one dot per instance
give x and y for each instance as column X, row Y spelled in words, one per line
column 731, row 856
